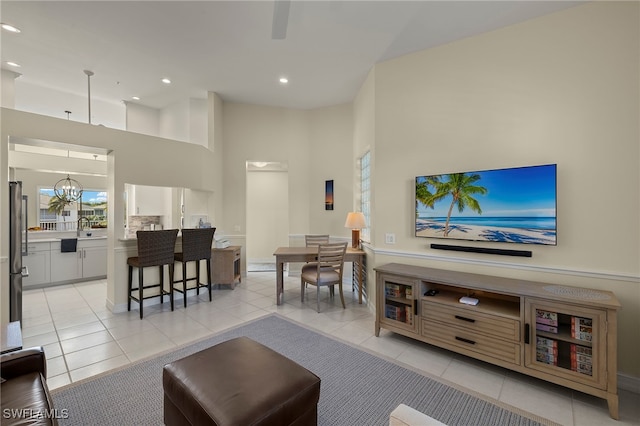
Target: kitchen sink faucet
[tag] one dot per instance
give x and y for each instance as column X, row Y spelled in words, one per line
column 80, row 225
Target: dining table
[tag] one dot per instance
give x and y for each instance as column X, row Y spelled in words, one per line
column 304, row 254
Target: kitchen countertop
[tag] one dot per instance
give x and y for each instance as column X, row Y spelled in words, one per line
column 55, row 240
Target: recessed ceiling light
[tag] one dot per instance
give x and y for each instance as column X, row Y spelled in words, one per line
column 135, row 98
column 284, row 80
column 166, row 81
column 10, row 28
column 13, row 64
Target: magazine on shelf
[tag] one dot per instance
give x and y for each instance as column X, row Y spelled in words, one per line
column 394, row 290
column 583, row 368
column 579, row 349
column 547, row 358
column 395, row 313
column 582, row 328
column 546, row 342
column 408, row 293
column 581, row 359
column 546, row 317
column 547, row 349
column 547, row 328
column 408, row 313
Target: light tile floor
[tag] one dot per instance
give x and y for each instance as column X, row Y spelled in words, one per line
column 83, row 338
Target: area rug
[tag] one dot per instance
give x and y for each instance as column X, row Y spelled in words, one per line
column 357, row 387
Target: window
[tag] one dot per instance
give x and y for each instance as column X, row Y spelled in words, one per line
column 54, row 216
column 47, row 215
column 365, row 194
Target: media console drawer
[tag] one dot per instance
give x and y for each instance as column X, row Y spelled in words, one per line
column 469, row 340
column 467, row 318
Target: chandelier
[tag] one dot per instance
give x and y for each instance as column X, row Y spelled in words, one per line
column 68, row 190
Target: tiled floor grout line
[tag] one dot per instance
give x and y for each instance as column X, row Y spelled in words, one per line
column 62, row 354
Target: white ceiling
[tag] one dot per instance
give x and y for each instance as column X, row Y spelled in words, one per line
column 227, row 46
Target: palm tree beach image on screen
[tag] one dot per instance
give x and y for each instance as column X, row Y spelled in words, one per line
column 515, row 205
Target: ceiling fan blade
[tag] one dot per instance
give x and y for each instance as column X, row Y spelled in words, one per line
column 280, row 19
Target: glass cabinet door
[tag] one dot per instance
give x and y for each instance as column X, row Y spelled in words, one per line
column 400, row 302
column 566, row 341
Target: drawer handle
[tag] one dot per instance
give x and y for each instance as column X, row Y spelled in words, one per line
column 465, row 319
column 462, row 339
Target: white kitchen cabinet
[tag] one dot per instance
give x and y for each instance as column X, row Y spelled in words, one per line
column 38, row 263
column 94, row 258
column 148, row 200
column 65, row 266
column 89, row 261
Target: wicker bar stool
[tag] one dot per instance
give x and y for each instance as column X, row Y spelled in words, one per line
column 196, row 246
column 155, row 248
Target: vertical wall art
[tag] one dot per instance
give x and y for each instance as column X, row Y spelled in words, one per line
column 328, row 195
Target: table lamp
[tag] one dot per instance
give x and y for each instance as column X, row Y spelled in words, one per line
column 355, row 221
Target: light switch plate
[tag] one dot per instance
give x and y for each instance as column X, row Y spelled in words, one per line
column 390, row 238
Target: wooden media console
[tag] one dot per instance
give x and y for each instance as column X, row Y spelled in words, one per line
column 561, row 334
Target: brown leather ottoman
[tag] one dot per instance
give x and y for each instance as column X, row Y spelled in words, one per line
column 239, row 382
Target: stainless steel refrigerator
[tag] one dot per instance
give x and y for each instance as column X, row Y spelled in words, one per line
column 17, row 248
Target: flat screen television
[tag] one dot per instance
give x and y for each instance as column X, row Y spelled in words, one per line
column 515, row 205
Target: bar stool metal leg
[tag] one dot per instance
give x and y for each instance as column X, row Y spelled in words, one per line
column 198, row 277
column 129, row 286
column 140, row 281
column 171, row 271
column 184, row 282
column 209, row 277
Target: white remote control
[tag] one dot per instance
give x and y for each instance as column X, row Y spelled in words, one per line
column 469, row 300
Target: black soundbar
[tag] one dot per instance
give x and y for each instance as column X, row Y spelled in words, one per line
column 503, row 252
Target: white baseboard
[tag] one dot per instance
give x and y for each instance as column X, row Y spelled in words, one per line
column 629, row 383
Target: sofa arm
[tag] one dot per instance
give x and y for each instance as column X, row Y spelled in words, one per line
column 404, row 415
column 17, row 363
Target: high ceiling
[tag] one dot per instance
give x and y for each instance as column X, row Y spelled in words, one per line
column 228, row 47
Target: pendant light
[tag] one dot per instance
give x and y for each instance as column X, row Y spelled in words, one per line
column 68, row 190
column 89, row 74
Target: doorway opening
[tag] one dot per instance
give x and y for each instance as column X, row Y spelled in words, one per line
column 267, row 213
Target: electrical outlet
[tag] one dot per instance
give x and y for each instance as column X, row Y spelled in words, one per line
column 236, row 228
column 390, row 238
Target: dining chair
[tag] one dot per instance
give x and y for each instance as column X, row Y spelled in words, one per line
column 155, row 248
column 328, row 270
column 313, row 240
column 196, row 246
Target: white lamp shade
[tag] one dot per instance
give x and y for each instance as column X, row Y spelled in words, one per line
column 355, row 220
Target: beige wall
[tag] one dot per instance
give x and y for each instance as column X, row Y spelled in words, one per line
column 215, row 144
column 559, row 89
column 331, row 157
column 316, row 145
